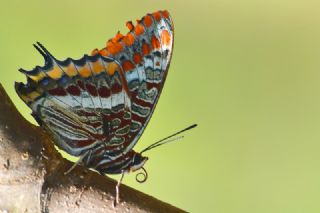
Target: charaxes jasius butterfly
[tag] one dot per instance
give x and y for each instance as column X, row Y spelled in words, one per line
column 98, row 106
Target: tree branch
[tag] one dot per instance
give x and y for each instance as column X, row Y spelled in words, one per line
column 32, row 175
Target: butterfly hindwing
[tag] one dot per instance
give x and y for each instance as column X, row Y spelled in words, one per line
column 80, row 104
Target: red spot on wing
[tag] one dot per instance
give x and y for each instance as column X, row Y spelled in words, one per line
column 128, row 39
column 147, row 20
column 155, row 42
column 114, row 47
column 81, row 85
column 116, row 88
column 137, row 58
column 73, row 90
column 157, row 16
column 91, row 89
column 57, row 91
column 153, row 85
column 127, row 65
column 139, row 29
column 165, row 14
column 130, row 25
column 145, row 49
column 104, row 92
column 117, row 37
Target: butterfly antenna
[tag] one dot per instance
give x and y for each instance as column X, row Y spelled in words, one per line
column 165, row 140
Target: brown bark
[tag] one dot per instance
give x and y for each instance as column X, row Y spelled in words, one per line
column 32, row 175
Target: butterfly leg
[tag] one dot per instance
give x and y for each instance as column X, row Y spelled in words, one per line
column 117, row 189
column 75, row 164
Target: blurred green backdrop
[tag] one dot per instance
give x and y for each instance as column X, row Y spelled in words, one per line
column 248, row 72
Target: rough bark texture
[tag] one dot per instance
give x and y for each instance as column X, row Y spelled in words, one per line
column 32, row 175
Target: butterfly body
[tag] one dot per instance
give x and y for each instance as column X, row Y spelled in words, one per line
column 97, row 107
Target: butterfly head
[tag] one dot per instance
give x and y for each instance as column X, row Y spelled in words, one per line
column 138, row 162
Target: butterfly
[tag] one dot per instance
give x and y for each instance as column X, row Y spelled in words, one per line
column 97, row 107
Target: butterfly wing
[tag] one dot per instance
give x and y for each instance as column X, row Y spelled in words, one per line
column 106, row 98
column 78, row 101
column 144, row 54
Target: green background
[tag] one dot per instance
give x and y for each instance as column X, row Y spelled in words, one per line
column 248, row 72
